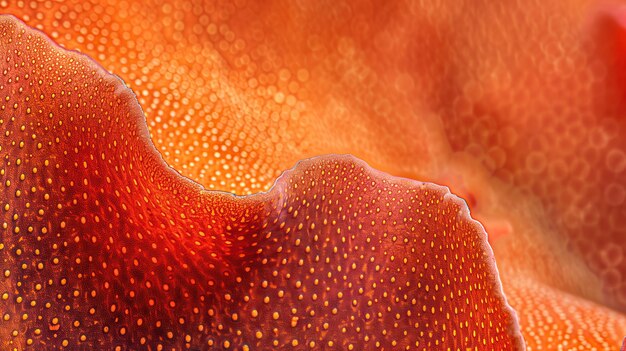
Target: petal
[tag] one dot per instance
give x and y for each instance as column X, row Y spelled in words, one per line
column 106, row 246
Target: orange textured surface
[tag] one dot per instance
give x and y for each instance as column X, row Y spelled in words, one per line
column 554, row 320
column 106, row 247
column 516, row 106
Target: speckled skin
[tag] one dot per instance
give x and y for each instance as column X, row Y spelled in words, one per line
column 106, row 247
column 516, row 106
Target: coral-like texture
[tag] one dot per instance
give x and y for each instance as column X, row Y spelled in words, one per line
column 517, row 106
column 561, row 321
column 104, row 246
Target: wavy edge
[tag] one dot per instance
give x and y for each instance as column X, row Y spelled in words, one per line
column 196, row 189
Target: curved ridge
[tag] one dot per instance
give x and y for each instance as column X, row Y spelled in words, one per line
column 105, row 245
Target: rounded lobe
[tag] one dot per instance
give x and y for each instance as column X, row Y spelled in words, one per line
column 522, row 89
column 106, row 246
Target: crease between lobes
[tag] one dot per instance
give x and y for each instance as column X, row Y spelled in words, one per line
column 234, row 94
column 104, row 245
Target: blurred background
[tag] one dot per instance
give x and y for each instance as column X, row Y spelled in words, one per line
column 517, row 106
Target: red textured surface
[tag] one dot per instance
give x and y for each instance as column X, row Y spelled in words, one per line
column 517, row 106
column 104, row 246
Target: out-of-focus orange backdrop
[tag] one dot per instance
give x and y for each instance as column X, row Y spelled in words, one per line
column 516, row 106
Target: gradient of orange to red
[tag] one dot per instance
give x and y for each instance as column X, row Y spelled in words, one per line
column 518, row 107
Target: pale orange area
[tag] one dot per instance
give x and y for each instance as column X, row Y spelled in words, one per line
column 106, row 247
column 515, row 106
column 553, row 320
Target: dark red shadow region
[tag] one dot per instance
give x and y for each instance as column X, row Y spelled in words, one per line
column 104, row 246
